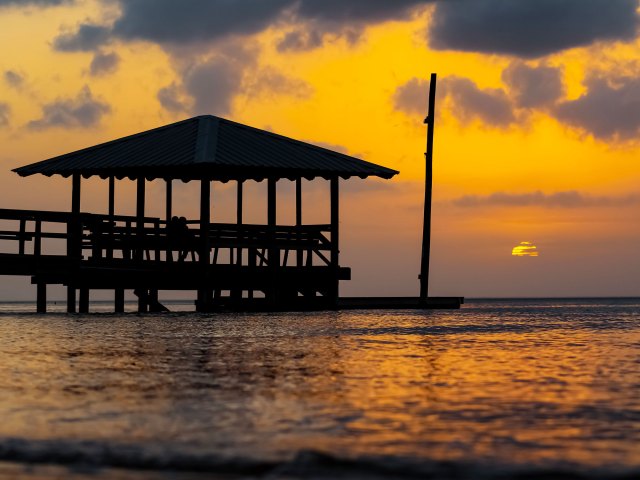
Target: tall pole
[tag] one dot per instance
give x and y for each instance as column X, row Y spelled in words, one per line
column 428, row 190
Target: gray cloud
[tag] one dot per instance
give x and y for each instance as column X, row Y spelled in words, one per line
column 83, row 111
column 168, row 21
column 86, row 38
column 14, row 79
column 412, row 97
column 213, row 84
column 492, row 106
column 42, row 3
column 609, row 110
column 5, row 114
column 568, row 199
column 104, row 63
column 533, row 87
column 170, row 97
column 530, row 28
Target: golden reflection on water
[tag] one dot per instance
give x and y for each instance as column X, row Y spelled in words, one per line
column 468, row 386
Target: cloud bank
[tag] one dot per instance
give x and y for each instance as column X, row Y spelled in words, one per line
column 83, row 111
column 567, row 199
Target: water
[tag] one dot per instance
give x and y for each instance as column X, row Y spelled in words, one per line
column 499, row 389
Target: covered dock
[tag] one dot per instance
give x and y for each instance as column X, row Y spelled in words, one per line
column 231, row 266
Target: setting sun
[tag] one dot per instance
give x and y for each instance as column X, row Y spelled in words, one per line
column 525, row 249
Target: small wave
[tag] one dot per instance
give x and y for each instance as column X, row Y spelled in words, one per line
column 301, row 465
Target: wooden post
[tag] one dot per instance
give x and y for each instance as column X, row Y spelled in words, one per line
column 83, row 306
column 204, row 292
column 112, row 211
column 335, row 239
column 236, row 293
column 274, row 254
column 428, row 189
column 140, row 197
column 41, row 302
column 169, row 198
column 74, row 240
column 299, row 251
column 119, row 300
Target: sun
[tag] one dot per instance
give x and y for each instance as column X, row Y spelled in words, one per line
column 525, row 249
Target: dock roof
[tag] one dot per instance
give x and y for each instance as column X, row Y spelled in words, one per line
column 207, row 147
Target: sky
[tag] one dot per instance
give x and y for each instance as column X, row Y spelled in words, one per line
column 537, row 129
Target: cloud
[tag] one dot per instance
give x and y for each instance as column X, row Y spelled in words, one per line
column 88, row 37
column 42, row 3
column 269, row 81
column 567, row 199
column 609, row 110
column 5, row 114
column 187, row 21
column 412, row 97
column 104, row 63
column 83, row 111
column 172, row 99
column 533, row 87
column 469, row 102
column 530, row 28
column 14, row 79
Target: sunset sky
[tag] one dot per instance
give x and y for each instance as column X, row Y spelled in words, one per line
column 537, row 134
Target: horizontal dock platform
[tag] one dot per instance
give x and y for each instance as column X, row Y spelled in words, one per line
column 399, row 303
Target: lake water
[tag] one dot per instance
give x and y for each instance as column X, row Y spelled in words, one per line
column 500, row 389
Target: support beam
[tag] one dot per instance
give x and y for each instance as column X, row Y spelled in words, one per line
column 169, row 198
column 204, row 293
column 299, row 252
column 112, row 196
column 119, row 300
column 83, row 306
column 335, row 237
column 274, row 254
column 240, row 219
column 140, row 197
column 71, row 299
column 41, row 302
column 75, row 193
column 428, row 189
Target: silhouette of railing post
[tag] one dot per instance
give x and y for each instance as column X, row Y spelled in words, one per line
column 428, row 191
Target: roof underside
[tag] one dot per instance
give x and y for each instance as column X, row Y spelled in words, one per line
column 206, row 147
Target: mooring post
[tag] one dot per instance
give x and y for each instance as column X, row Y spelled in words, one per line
column 83, row 306
column 41, row 295
column 119, row 300
column 428, row 189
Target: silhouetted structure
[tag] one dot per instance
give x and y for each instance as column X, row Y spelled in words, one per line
column 231, row 266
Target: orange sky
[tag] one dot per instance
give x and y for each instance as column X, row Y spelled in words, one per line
column 505, row 172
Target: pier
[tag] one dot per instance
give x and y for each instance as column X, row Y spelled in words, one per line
column 230, row 266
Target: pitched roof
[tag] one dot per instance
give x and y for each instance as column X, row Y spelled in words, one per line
column 207, row 147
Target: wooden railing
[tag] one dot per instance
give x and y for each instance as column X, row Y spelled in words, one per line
column 98, row 238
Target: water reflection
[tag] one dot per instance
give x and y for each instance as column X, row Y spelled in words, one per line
column 553, row 384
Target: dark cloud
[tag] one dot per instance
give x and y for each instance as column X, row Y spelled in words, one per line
column 14, row 79
column 168, row 21
column 492, row 106
column 104, row 63
column 609, row 110
column 568, row 199
column 530, row 28
column 82, row 111
column 86, row 38
column 412, row 97
column 533, row 87
column 5, row 114
column 300, row 40
column 40, row 3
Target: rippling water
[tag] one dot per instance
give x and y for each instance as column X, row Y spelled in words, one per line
column 499, row 389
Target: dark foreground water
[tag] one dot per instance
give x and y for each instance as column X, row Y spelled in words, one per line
column 497, row 390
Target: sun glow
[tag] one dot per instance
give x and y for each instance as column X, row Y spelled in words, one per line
column 525, row 249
